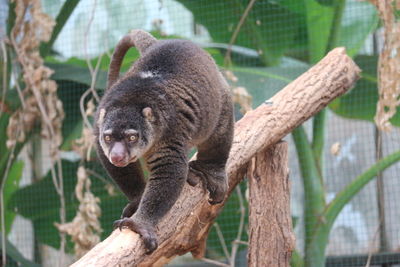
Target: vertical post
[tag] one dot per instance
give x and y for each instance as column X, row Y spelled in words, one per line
column 271, row 238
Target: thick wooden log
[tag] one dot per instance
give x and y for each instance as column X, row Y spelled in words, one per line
column 186, row 226
column 271, row 239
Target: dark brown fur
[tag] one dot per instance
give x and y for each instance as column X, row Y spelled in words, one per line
column 175, row 97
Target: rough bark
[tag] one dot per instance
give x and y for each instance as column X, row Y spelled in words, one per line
column 271, row 239
column 186, row 226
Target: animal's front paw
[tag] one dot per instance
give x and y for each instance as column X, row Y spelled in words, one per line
column 217, row 188
column 145, row 231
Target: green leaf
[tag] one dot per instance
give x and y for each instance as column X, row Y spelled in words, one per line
column 11, row 185
column 319, row 241
column 357, row 26
column 43, row 206
column 69, row 72
column 297, row 259
column 263, row 83
column 216, row 55
column 15, row 258
column 5, row 153
column 360, row 102
column 11, row 17
column 314, row 192
column 62, row 18
column 4, row 118
column 344, row 197
column 76, row 70
column 319, row 21
column 12, row 100
column 71, row 136
column 44, row 200
column 319, row 119
column 81, row 66
column 326, row 2
column 314, row 195
column 70, row 93
column 266, row 28
column 294, row 6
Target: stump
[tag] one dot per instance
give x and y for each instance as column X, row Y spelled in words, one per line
column 271, row 239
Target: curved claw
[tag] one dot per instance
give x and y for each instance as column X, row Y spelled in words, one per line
column 217, row 194
column 146, row 232
column 116, row 224
column 215, row 201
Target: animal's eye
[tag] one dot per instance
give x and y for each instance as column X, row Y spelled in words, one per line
column 132, row 138
column 107, row 138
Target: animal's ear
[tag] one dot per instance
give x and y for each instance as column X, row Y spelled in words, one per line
column 102, row 114
column 148, row 113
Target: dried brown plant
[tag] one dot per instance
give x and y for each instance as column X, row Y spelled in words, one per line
column 39, row 95
column 40, row 104
column 240, row 95
column 85, row 228
column 389, row 64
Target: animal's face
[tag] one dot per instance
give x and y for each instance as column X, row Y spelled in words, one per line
column 125, row 135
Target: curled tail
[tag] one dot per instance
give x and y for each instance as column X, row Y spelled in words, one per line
column 137, row 38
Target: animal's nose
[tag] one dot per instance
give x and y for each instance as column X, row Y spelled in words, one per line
column 118, row 154
column 117, row 158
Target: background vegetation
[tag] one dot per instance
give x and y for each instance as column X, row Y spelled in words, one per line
column 264, row 44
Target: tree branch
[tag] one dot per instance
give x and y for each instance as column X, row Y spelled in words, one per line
column 186, row 226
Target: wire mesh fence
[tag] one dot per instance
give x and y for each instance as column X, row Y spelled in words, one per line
column 260, row 46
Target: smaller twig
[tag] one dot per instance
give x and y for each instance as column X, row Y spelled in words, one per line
column 227, row 60
column 82, row 108
column 98, row 176
column 95, row 96
column 371, row 244
column 3, row 230
column 94, row 78
column 19, row 90
column 235, row 245
column 63, row 212
column 107, row 45
column 89, row 152
column 58, row 185
column 240, row 242
column 222, row 240
column 5, row 83
column 87, row 35
column 93, row 73
column 54, row 178
column 380, row 192
column 217, row 263
column 35, row 92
